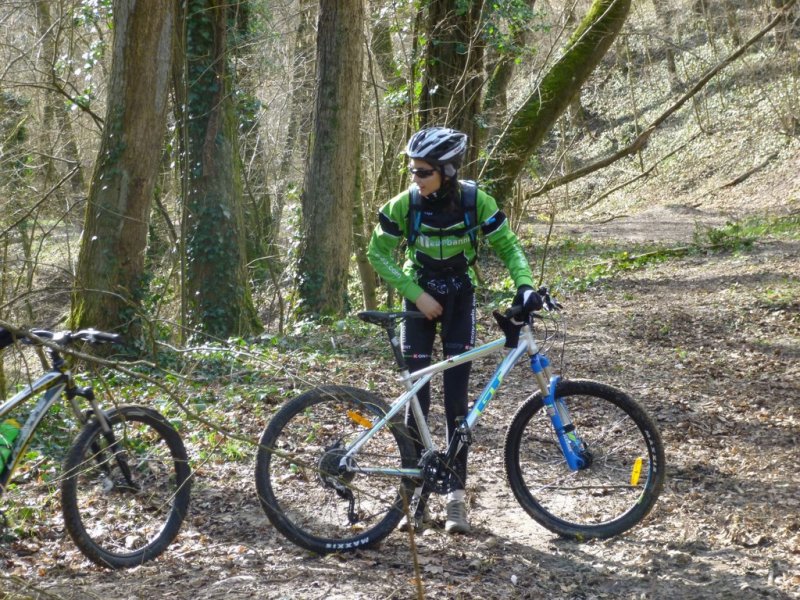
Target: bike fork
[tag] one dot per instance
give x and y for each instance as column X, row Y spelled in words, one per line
column 572, row 447
column 112, row 446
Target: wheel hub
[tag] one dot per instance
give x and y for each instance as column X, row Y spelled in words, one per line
column 331, row 474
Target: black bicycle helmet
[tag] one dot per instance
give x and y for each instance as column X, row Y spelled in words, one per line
column 439, row 146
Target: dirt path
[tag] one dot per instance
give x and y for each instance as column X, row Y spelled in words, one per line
column 709, row 343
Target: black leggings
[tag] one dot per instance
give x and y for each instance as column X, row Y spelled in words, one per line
column 418, row 336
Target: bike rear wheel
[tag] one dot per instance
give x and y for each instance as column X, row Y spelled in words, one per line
column 125, row 496
column 615, row 491
column 303, row 490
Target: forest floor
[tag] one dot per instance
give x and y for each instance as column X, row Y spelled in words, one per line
column 709, row 342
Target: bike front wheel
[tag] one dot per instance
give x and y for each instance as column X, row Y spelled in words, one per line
column 625, row 471
column 303, row 487
column 125, row 493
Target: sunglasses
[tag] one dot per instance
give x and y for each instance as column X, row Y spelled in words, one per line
column 421, row 173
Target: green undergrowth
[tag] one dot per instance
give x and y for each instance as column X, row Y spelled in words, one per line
column 221, row 395
column 226, row 383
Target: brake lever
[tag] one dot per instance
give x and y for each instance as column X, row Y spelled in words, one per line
column 549, row 303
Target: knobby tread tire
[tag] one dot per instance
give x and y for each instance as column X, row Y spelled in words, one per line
column 542, row 453
column 175, row 470
column 282, row 503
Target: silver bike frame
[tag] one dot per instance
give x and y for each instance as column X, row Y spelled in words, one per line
column 414, row 382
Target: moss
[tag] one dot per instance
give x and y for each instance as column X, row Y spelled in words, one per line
column 218, row 292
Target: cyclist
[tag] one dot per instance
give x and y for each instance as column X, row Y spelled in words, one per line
column 438, row 216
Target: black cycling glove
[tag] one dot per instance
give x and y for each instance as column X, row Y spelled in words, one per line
column 527, row 299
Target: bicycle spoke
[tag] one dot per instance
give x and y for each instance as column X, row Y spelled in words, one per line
column 303, row 487
column 620, row 484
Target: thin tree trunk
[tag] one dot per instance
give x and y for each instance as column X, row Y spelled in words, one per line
column 367, row 275
column 733, row 24
column 664, row 15
column 391, row 126
column 453, row 78
column 788, row 23
column 56, row 120
column 501, row 71
column 300, row 113
column 330, row 186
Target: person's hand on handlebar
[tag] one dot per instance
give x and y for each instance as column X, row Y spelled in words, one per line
column 525, row 302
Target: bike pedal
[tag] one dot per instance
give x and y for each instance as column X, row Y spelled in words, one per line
column 463, row 431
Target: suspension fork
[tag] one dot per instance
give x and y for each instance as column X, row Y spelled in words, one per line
column 108, row 433
column 572, row 447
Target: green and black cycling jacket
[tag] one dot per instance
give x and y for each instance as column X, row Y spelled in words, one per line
column 434, row 253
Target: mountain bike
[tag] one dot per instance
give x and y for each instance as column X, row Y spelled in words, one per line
column 336, row 465
column 126, row 479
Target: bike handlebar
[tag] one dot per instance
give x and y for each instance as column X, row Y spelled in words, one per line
column 64, row 338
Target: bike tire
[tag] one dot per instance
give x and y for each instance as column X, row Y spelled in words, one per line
column 112, row 524
column 604, row 499
column 297, row 474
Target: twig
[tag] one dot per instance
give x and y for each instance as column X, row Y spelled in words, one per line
column 412, row 543
column 171, row 231
column 40, row 202
column 609, row 219
column 747, row 174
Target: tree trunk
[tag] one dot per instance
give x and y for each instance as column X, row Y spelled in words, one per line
column 733, row 24
column 534, row 118
column 330, row 185
column 109, row 282
column 392, row 125
column 453, row 77
column 788, row 25
column 361, row 233
column 382, row 51
column 300, row 113
column 56, row 119
column 664, row 14
column 15, row 159
column 218, row 299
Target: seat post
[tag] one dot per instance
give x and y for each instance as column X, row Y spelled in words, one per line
column 397, row 350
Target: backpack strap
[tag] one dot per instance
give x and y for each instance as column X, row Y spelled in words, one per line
column 469, row 202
